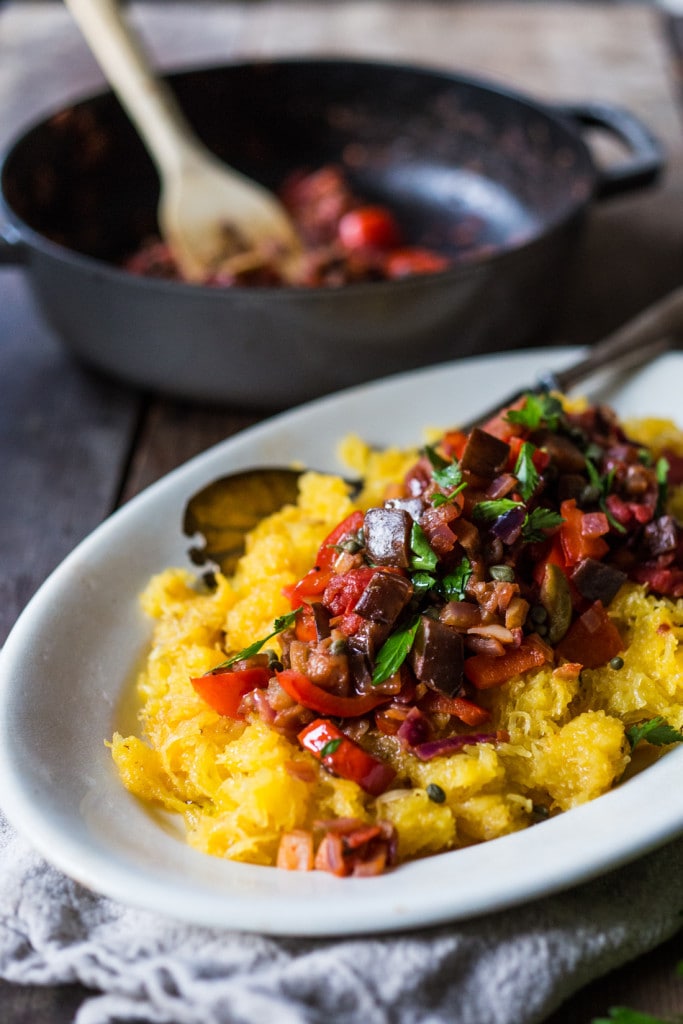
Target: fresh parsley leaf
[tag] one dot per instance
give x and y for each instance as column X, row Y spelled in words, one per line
column 454, row 583
column 537, row 522
column 538, row 410
column 437, row 461
column 394, row 652
column 447, row 475
column 491, row 510
column 279, row 625
column 423, row 555
column 662, row 472
column 423, row 582
column 330, row 747
column 624, row 1015
column 656, row 731
column 525, row 471
column 603, row 484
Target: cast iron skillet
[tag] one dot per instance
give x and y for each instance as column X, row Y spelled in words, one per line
column 500, row 181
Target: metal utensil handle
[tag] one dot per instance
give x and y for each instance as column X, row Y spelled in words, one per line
column 649, row 334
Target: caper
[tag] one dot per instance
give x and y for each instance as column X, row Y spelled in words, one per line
column 435, row 793
column 590, row 494
column 538, row 613
column 274, row 663
column 594, row 452
column 505, row 573
column 616, row 663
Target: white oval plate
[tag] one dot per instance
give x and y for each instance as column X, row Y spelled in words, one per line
column 69, row 661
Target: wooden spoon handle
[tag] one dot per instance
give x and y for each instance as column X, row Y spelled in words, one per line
column 652, row 332
column 150, row 104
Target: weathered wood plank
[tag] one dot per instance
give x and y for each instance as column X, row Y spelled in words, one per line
column 64, row 440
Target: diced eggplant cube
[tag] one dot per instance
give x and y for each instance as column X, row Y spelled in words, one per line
column 484, row 455
column 384, row 598
column 437, row 656
column 597, row 581
column 661, row 535
column 387, row 536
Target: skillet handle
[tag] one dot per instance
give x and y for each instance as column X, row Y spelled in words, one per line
column 13, row 252
column 646, row 161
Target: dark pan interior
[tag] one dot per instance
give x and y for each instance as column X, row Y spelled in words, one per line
column 465, row 167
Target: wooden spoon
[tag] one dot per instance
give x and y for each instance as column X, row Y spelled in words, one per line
column 211, row 216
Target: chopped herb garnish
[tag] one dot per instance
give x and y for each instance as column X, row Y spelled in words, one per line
column 423, row 582
column 535, row 522
column 656, row 731
column 492, row 510
column 538, row 410
column 603, row 486
column 454, row 584
column 624, row 1015
column 504, row 573
column 662, row 473
column 447, row 475
column 538, row 521
column 394, row 652
column 279, row 625
column 527, row 475
column 423, row 555
column 330, row 747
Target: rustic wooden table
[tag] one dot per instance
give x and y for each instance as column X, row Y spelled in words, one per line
column 74, row 446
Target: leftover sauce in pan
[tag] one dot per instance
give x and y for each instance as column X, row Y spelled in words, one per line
column 345, row 241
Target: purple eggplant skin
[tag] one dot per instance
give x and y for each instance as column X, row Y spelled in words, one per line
column 437, row 656
column 384, row 598
column 387, row 536
column 597, row 581
column 484, row 455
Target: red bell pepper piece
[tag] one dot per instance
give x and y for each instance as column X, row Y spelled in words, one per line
column 485, row 671
column 309, row 588
column 345, row 758
column 466, row 710
column 312, row 586
column 327, row 554
column 592, row 640
column 305, row 628
column 223, row 690
column 576, row 542
column 342, row 592
column 295, row 852
column 369, row 227
column 303, row 691
column 414, row 260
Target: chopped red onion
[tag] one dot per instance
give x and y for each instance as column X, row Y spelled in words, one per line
column 451, row 744
column 509, row 526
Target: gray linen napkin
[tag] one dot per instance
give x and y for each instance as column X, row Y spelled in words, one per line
column 514, row 967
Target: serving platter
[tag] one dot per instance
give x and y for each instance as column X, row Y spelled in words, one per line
column 67, row 668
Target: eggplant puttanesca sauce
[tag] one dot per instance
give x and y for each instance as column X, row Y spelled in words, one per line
column 345, row 240
column 499, row 553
